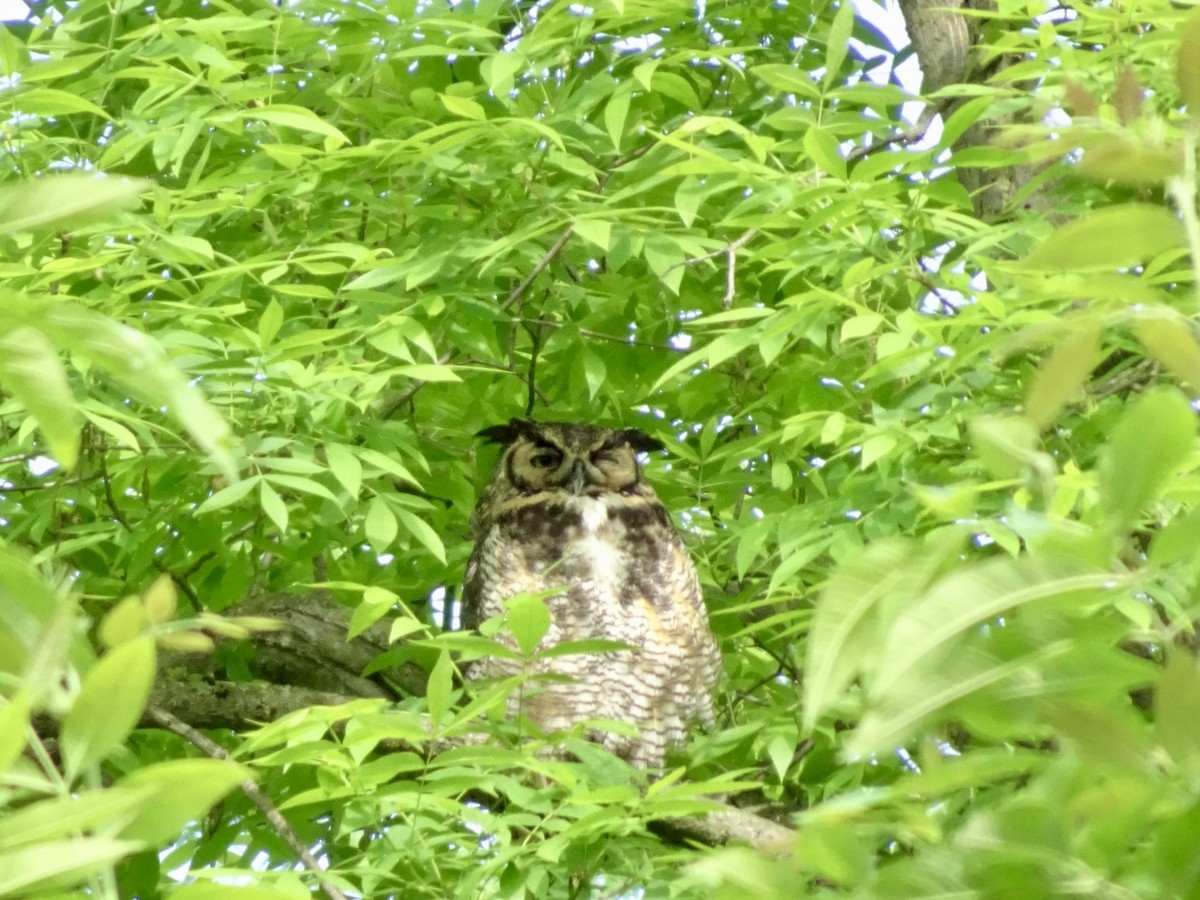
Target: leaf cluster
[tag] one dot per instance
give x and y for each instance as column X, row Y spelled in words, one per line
column 938, row 471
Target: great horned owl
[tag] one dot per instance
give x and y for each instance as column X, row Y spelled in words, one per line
column 568, row 513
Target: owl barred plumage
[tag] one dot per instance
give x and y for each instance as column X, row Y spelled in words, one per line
column 567, row 511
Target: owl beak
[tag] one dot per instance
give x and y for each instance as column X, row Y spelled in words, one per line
column 578, row 477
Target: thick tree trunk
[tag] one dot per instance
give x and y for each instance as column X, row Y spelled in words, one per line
column 944, row 40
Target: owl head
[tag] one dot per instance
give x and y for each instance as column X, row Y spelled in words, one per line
column 569, row 457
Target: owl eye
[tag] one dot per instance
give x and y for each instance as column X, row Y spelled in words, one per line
column 603, row 456
column 546, row 459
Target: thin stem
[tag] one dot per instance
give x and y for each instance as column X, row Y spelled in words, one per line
column 281, row 825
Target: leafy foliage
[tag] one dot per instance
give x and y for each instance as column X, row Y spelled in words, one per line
column 938, row 470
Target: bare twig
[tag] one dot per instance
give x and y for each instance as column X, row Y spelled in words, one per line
column 100, row 448
column 510, row 370
column 910, row 135
column 46, row 486
column 109, row 499
column 729, row 251
column 413, row 386
column 601, row 336
column 21, row 457
column 548, row 257
column 522, row 287
column 736, row 244
column 946, row 304
column 531, row 378
column 251, row 790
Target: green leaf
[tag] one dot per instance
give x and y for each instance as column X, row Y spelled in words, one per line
column 499, row 69
column 585, row 646
column 376, row 603
column 875, row 448
column 136, row 360
column 463, row 106
column 929, row 689
column 528, row 619
column 1007, row 445
column 31, row 369
column 440, row 688
column 425, row 535
column 1110, row 238
column 345, row 467
column 303, row 485
column 1187, row 64
column 273, row 506
column 688, row 197
column 787, row 78
column 380, row 525
column 123, row 622
column 183, row 791
column 65, row 201
column 822, row 148
column 386, row 464
column 850, row 616
column 594, row 371
column 616, row 111
column 108, row 706
column 59, row 864
column 1061, row 375
column 229, row 495
column 45, row 820
column 428, row 372
column 1177, row 710
column 115, row 430
column 861, row 326
column 269, row 323
column 185, row 248
column 1178, row 541
column 14, row 724
column 597, row 231
column 52, row 102
column 839, row 40
column 1122, row 161
column 832, row 430
column 205, row 891
column 968, row 597
column 1133, row 468
column 38, row 636
column 1173, row 342
column 297, row 117
column 781, row 475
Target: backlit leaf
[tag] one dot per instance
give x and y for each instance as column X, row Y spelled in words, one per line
column 31, row 369
column 1061, row 375
column 1187, row 63
column 1133, row 469
column 109, row 704
column 528, row 619
column 1110, row 238
column 65, row 201
column 184, row 790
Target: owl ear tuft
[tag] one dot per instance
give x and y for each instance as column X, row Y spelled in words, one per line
column 506, row 434
column 640, row 441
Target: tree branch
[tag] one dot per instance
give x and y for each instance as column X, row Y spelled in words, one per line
column 310, row 663
column 522, row 287
column 728, row 824
column 270, row 812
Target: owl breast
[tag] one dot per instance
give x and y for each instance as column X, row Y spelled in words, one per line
column 612, row 567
